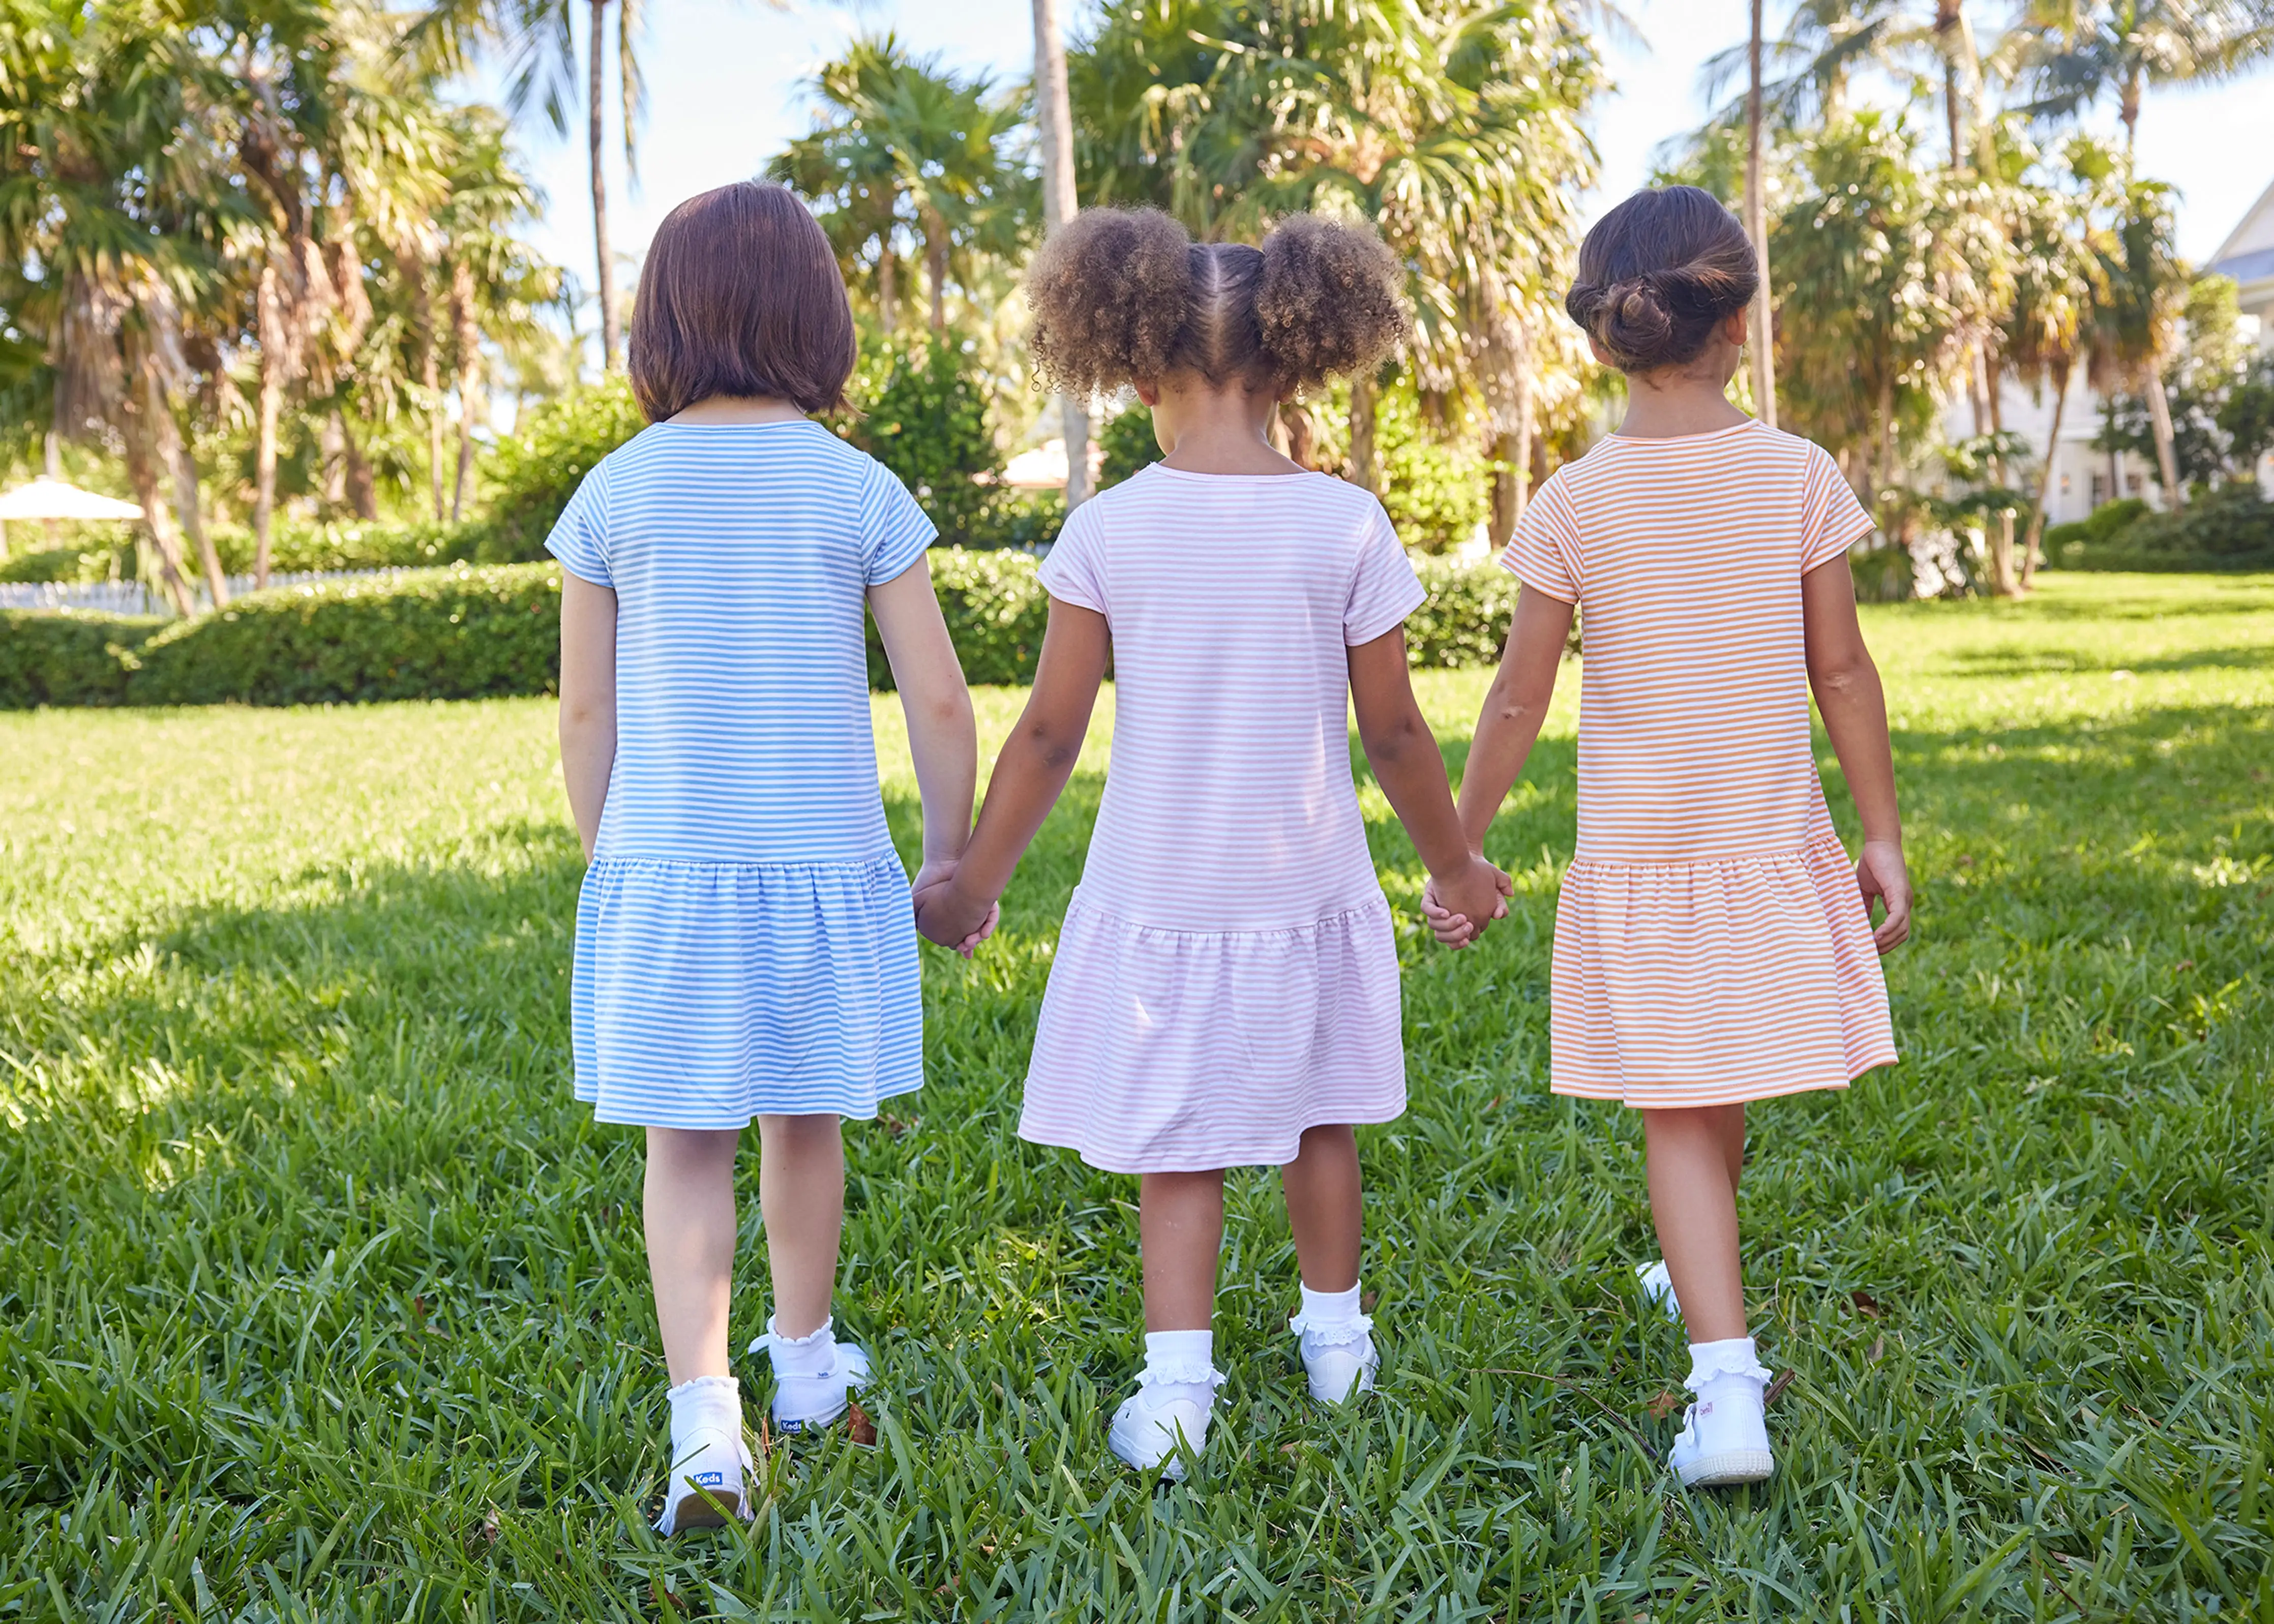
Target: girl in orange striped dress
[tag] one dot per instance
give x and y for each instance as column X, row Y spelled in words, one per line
column 1713, row 945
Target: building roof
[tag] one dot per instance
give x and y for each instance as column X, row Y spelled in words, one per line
column 2255, row 231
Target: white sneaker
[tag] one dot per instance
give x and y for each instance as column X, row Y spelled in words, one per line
column 1146, row 1431
column 1725, row 1437
column 808, row 1404
column 1340, row 1359
column 711, row 1462
column 1658, row 1287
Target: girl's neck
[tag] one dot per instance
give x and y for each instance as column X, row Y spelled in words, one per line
column 1677, row 401
column 1205, row 430
column 736, row 408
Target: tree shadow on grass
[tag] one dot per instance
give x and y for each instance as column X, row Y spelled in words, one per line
column 2025, row 661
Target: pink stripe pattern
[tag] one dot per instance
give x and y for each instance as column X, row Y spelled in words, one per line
column 1711, row 944
column 1227, row 974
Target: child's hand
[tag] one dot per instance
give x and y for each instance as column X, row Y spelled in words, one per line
column 1459, row 906
column 1881, row 873
column 944, row 915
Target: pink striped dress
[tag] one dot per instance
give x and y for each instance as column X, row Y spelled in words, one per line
column 1226, row 976
column 1711, row 944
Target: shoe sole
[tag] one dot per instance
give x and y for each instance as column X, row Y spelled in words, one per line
column 1729, row 1469
column 701, row 1511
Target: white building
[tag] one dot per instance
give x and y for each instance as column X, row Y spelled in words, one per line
column 2083, row 477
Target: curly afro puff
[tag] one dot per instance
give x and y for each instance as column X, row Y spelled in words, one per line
column 1124, row 294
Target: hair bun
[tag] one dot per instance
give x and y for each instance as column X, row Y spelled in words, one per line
column 1658, row 274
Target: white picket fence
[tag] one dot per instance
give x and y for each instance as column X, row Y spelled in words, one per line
column 138, row 597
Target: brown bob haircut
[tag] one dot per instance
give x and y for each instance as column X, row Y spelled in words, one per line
column 1658, row 274
column 741, row 297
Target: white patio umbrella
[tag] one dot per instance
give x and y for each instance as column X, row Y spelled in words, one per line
column 49, row 498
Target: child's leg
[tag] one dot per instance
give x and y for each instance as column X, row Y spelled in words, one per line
column 689, row 1201
column 1695, row 1156
column 801, row 1191
column 1180, row 1231
column 1325, row 1210
column 1321, row 1185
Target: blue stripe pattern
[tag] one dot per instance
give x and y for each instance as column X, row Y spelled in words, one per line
column 744, row 941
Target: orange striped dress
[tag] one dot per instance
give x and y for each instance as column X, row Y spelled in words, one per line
column 1712, row 944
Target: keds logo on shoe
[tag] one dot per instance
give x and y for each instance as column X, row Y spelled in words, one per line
column 709, row 1481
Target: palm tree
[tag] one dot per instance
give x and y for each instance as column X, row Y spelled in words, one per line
column 2060, row 284
column 116, row 191
column 2075, row 52
column 1054, row 123
column 912, row 147
column 2147, row 284
column 1763, row 322
column 537, row 38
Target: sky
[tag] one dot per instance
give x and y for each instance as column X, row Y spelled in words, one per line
column 725, row 80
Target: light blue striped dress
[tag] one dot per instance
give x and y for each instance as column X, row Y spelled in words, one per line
column 744, row 940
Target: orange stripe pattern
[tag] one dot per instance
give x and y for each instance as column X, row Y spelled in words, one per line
column 1712, row 945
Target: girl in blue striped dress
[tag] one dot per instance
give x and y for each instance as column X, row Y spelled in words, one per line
column 745, row 941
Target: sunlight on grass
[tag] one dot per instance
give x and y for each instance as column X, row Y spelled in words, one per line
column 319, row 1297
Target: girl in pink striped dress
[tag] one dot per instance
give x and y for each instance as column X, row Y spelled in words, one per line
column 1713, row 945
column 1224, row 991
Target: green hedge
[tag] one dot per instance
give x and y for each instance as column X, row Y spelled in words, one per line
column 68, row 658
column 2231, row 529
column 470, row 631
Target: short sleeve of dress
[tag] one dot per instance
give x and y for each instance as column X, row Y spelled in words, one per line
column 1544, row 552
column 1383, row 589
column 1835, row 521
column 1074, row 572
column 894, row 530
column 579, row 535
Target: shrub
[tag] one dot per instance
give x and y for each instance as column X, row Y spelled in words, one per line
column 995, row 611
column 352, row 544
column 1435, row 494
column 2103, row 525
column 927, row 423
column 43, row 564
column 2228, row 529
column 1465, row 621
column 529, row 476
column 1128, row 445
column 66, row 659
column 442, row 634
column 1023, row 519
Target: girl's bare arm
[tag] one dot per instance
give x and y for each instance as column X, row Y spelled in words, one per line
column 1411, row 769
column 1854, row 710
column 1516, row 705
column 1037, row 759
column 588, row 700
column 943, row 737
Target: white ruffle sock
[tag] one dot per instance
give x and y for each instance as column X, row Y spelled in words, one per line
column 1175, row 1398
column 1725, row 1437
column 813, row 1374
column 709, row 1460
column 1338, row 1345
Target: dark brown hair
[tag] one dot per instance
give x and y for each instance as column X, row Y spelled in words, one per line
column 741, row 297
column 1121, row 294
column 1658, row 274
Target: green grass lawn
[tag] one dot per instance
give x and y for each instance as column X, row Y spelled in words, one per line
column 320, row 1298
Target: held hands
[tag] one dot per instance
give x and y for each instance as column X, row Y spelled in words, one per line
column 944, row 915
column 1458, row 907
column 1881, row 875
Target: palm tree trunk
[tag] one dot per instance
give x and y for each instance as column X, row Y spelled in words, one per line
column 1301, row 434
column 611, row 332
column 2160, row 418
column 144, row 404
column 1363, row 470
column 888, row 288
column 363, row 496
column 936, row 269
column 2003, row 579
column 1757, row 227
column 1054, row 119
column 2037, row 531
column 2129, row 111
column 54, row 470
column 177, row 456
column 268, row 319
column 468, row 336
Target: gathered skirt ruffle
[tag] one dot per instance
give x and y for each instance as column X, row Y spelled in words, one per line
column 1710, row 984
column 1184, row 1051
column 707, row 994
